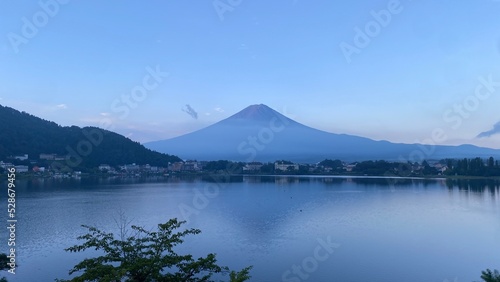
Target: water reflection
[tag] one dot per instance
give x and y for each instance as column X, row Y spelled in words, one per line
column 474, row 185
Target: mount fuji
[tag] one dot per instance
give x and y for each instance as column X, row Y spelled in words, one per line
column 259, row 133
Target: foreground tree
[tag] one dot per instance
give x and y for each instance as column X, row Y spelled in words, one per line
column 490, row 276
column 4, row 260
column 146, row 256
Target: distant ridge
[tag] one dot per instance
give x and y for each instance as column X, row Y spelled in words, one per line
column 259, row 133
column 22, row 133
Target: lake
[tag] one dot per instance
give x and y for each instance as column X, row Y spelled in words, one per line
column 289, row 228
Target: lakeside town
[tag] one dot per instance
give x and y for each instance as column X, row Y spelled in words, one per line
column 43, row 166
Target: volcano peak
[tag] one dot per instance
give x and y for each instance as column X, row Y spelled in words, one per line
column 256, row 112
column 259, row 133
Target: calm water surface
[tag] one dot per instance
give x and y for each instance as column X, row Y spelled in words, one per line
column 289, row 228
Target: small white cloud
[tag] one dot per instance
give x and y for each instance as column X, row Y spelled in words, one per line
column 219, row 109
column 105, row 114
column 207, row 114
column 61, row 107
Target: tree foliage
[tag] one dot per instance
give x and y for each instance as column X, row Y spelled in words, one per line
column 334, row 164
column 4, row 260
column 146, row 256
column 223, row 166
column 379, row 167
column 474, row 167
column 490, row 276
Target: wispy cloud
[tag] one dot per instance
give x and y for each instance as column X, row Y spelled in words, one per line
column 243, row 46
column 54, row 108
column 219, row 109
column 190, row 111
column 491, row 132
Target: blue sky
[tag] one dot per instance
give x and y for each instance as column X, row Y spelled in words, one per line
column 416, row 72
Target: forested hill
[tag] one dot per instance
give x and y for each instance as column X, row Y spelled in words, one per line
column 22, row 133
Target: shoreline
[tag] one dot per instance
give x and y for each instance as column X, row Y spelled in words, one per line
column 211, row 174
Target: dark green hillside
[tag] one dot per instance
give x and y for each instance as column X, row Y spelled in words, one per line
column 22, row 133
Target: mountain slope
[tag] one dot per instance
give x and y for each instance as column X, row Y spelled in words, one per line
column 258, row 133
column 22, row 133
